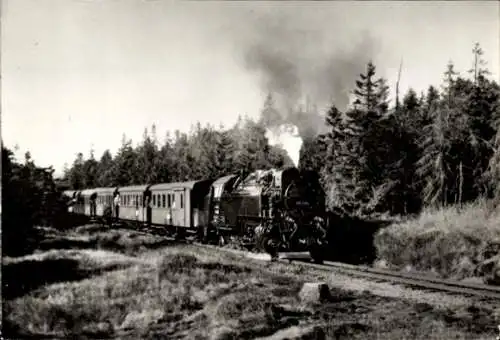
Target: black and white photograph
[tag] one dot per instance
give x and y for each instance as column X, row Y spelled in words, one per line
column 250, row 169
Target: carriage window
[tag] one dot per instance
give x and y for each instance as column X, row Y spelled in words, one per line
column 154, row 200
column 169, row 201
column 182, row 201
column 158, row 200
column 163, row 198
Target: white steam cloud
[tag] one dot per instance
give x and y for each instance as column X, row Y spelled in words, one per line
column 287, row 137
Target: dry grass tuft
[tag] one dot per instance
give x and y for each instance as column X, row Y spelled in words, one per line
column 449, row 242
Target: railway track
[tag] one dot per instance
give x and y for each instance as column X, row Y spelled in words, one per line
column 406, row 279
column 412, row 280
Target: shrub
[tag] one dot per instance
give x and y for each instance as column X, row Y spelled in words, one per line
column 449, row 241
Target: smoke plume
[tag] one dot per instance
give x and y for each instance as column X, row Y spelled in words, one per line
column 304, row 69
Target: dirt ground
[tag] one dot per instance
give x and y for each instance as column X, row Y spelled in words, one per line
column 94, row 282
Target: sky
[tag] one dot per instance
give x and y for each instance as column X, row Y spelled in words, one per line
column 78, row 74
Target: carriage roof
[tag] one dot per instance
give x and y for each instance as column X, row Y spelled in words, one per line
column 178, row 185
column 134, row 188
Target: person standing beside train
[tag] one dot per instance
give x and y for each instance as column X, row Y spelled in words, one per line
column 148, row 209
column 93, row 205
column 116, row 203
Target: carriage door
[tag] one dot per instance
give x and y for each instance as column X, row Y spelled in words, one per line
column 178, row 206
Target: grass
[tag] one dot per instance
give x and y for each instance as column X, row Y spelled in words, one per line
column 182, row 292
column 31, row 272
column 96, row 236
column 448, row 242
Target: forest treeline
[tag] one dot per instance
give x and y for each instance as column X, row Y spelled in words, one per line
column 204, row 152
column 434, row 148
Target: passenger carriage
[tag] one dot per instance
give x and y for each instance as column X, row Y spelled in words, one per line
column 180, row 204
column 133, row 203
column 86, row 196
column 104, row 199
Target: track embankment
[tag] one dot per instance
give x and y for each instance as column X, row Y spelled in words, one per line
column 406, row 279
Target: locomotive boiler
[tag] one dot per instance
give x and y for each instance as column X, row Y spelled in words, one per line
column 269, row 209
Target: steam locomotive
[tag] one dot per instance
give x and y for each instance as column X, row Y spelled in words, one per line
column 271, row 210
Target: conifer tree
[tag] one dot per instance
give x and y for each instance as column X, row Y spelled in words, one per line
column 478, row 69
column 368, row 142
column 76, row 174
column 124, row 170
column 224, row 153
column 105, row 170
column 145, row 161
column 90, row 171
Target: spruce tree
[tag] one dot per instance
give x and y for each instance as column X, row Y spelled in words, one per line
column 105, row 170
